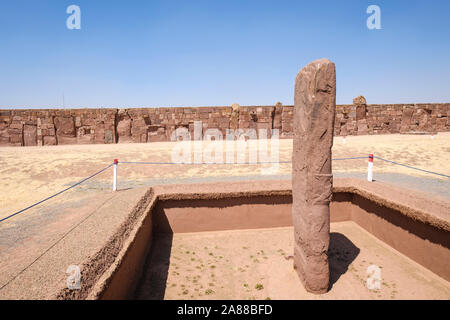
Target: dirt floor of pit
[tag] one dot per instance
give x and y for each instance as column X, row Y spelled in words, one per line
column 242, row 264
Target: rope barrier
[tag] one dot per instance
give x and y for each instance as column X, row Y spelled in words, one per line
column 353, row 158
column 411, row 167
column 193, row 163
column 175, row 163
column 56, row 194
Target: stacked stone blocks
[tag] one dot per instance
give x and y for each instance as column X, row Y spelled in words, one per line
column 142, row 125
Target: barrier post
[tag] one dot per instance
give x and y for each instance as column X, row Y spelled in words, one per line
column 116, row 162
column 370, row 169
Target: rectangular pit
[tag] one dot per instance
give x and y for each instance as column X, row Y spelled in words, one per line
column 411, row 247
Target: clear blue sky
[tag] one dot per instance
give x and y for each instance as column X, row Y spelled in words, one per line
column 203, row 53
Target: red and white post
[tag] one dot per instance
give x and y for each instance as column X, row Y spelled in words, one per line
column 370, row 169
column 116, row 162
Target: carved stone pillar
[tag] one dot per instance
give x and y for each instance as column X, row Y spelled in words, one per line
column 312, row 180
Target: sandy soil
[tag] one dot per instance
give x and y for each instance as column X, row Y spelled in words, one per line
column 35, row 254
column 242, row 264
column 29, row 174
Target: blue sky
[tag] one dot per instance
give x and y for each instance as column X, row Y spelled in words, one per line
column 205, row 53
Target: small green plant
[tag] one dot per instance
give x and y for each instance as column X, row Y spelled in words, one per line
column 185, row 292
column 259, row 286
column 209, row 291
column 245, row 285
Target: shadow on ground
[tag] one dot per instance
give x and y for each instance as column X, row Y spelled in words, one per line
column 341, row 253
column 152, row 285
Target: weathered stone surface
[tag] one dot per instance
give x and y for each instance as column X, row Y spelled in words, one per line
column 312, row 180
column 124, row 126
column 4, row 135
column 277, row 116
column 65, row 130
column 84, row 135
column 65, row 126
column 139, row 130
column 359, row 101
column 109, row 136
column 81, row 126
column 234, row 122
column 29, row 135
column 49, row 141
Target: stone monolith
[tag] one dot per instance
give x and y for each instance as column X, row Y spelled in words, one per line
column 312, row 179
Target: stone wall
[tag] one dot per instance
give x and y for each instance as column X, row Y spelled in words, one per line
column 90, row 126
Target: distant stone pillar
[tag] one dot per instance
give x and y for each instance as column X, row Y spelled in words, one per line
column 360, row 115
column 312, row 179
column 234, row 121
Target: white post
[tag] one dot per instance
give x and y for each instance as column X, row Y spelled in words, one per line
column 115, row 175
column 370, row 169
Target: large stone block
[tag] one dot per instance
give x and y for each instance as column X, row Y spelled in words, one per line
column 29, row 135
column 49, row 141
column 65, row 127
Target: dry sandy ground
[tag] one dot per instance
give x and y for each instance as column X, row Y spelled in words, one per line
column 35, row 254
column 242, row 264
column 29, row 174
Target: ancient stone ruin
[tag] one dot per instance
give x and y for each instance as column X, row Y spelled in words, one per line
column 97, row 126
column 312, row 179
